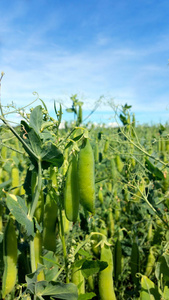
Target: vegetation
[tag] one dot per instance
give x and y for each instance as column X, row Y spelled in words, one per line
column 112, row 241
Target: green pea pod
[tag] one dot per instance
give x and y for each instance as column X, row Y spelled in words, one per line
column 113, row 170
column 1, row 175
column 162, row 145
column 106, row 146
column 100, row 195
column 134, row 262
column 96, row 153
column 117, row 259
column 49, row 221
column 71, row 193
column 119, row 163
column 3, row 152
column 10, row 259
column 39, row 211
column 110, row 223
column 150, row 263
column 78, row 279
column 86, row 177
column 165, row 181
column 1, row 221
column 150, row 232
column 53, row 177
column 100, row 157
column 106, row 287
column 38, row 253
column 90, row 282
column 15, row 180
column 79, row 120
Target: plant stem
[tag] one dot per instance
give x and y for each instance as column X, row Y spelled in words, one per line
column 153, row 209
column 37, row 190
column 35, row 201
column 29, row 150
column 143, row 150
column 63, row 244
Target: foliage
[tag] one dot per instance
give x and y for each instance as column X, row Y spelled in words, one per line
column 130, row 219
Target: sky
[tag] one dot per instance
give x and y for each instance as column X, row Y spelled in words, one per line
column 114, row 50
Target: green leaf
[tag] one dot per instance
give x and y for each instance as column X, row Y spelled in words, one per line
column 36, row 119
column 162, row 267
column 18, row 209
column 123, row 119
column 79, row 263
column 31, row 138
column 67, row 291
column 126, row 107
column 91, row 267
column 70, row 110
column 148, row 290
column 46, row 136
column 153, row 169
column 84, row 253
column 6, row 183
column 1, row 237
column 50, row 153
column 86, row 296
column 80, row 103
column 50, row 262
column 165, row 294
column 31, row 279
column 35, row 142
column 74, row 139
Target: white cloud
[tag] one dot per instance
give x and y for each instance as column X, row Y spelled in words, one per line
column 131, row 74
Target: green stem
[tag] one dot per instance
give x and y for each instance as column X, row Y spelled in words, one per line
column 13, row 149
column 29, row 150
column 2, row 74
column 152, row 207
column 37, row 190
column 143, row 150
column 87, row 239
column 22, row 108
column 63, row 244
column 35, row 201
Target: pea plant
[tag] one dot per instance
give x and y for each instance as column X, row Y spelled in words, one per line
column 38, row 213
column 83, row 210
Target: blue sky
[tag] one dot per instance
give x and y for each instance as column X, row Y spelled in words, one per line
column 119, row 49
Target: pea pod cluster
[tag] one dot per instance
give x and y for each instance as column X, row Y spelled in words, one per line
column 80, row 183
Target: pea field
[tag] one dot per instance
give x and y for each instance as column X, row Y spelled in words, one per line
column 84, row 210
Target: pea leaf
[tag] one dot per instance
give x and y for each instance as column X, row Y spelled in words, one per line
column 18, row 209
column 166, row 292
column 5, row 183
column 148, row 290
column 31, row 138
column 36, row 119
column 70, row 110
column 153, row 169
column 162, row 267
column 84, row 253
column 51, row 154
column 86, row 296
column 91, row 267
column 50, row 262
column 67, row 291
